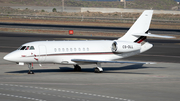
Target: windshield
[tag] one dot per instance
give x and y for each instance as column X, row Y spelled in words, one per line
column 26, row 48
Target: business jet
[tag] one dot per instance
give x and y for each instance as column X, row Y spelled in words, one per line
column 88, row 52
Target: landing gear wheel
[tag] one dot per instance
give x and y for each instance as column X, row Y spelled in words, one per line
column 30, row 69
column 30, row 72
column 96, row 70
column 77, row 68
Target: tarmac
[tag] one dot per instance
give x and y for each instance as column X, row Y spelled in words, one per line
column 118, row 82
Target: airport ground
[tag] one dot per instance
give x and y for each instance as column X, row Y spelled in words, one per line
column 118, row 82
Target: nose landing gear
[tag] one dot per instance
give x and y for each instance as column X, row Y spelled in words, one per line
column 30, row 66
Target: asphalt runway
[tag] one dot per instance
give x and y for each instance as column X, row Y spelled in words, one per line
column 118, row 82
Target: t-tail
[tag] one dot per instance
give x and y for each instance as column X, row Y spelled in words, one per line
column 139, row 31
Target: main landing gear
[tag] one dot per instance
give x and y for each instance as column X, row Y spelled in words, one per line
column 98, row 69
column 30, row 66
column 77, row 68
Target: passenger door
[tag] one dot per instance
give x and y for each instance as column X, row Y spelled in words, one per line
column 42, row 53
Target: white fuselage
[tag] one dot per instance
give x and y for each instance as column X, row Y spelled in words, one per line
column 62, row 52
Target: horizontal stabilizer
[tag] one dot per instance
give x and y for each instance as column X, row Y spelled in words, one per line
column 152, row 35
column 99, row 61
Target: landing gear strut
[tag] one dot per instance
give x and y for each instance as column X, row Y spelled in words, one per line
column 98, row 69
column 77, row 68
column 30, row 66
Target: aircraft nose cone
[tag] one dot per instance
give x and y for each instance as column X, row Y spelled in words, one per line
column 10, row 57
column 7, row 57
column 14, row 56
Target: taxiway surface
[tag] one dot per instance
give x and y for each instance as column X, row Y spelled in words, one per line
column 83, row 28
column 118, row 82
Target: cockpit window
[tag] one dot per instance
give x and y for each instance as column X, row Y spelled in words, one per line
column 19, row 48
column 31, row 48
column 27, row 48
column 23, row 47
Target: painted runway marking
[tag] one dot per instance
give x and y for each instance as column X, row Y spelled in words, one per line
column 21, row 97
column 67, row 91
column 39, row 94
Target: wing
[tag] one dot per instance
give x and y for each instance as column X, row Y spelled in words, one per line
column 84, row 61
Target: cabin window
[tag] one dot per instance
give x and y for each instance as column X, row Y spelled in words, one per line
column 63, row 49
column 70, row 49
column 87, row 49
column 79, row 49
column 59, row 49
column 31, row 48
column 55, row 49
column 74, row 49
column 67, row 49
column 83, row 49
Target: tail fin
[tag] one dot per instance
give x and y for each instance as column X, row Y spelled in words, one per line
column 140, row 26
column 139, row 30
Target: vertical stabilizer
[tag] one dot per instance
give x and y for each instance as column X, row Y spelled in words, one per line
column 140, row 26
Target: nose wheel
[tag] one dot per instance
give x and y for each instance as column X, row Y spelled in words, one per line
column 77, row 68
column 30, row 66
column 30, row 72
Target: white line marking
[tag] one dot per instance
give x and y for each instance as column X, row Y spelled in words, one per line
column 110, row 97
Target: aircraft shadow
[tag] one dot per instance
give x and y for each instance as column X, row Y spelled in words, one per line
column 62, row 69
column 118, row 69
column 91, row 70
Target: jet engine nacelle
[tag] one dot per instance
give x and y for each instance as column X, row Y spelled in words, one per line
column 119, row 46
